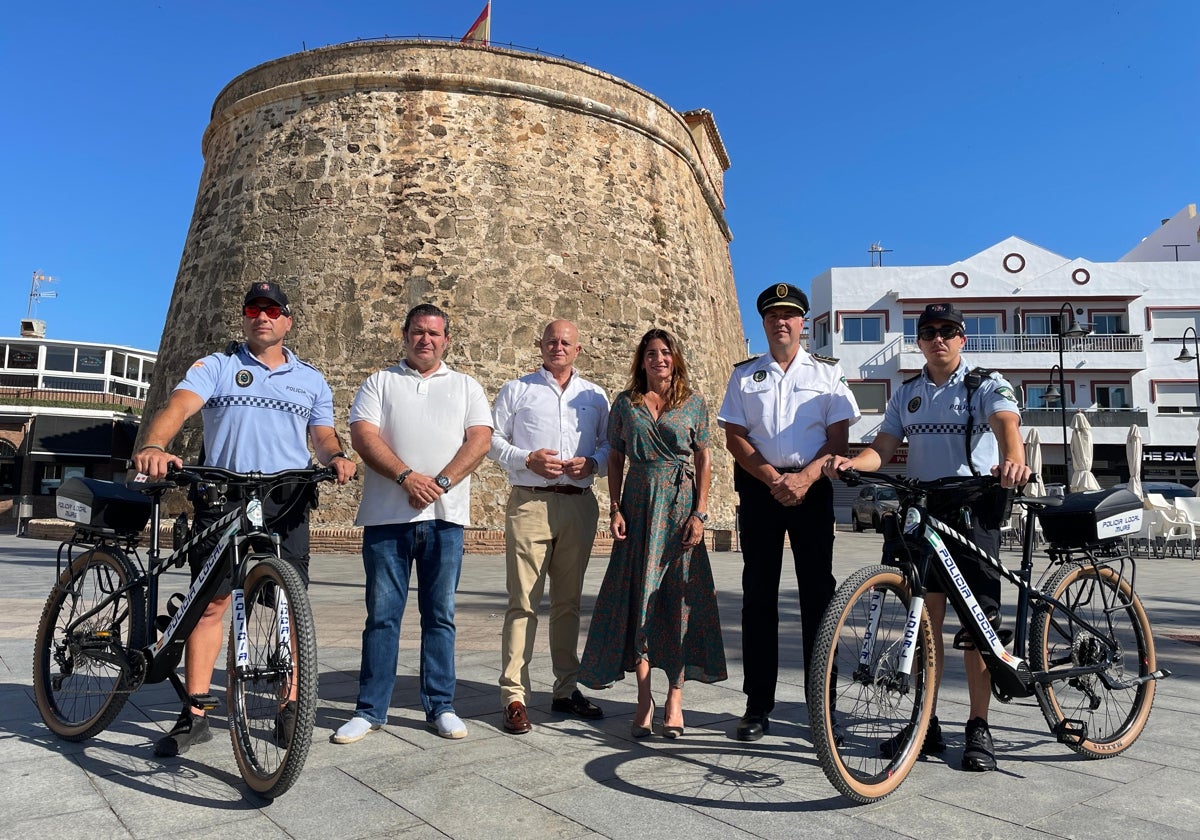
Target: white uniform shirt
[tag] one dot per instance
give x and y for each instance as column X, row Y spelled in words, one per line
column 787, row 412
column 424, row 420
column 533, row 412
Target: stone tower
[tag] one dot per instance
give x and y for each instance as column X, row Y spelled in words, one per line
column 508, row 188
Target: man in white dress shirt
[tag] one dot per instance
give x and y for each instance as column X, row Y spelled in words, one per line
column 550, row 435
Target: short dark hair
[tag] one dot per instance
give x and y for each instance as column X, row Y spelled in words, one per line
column 424, row 310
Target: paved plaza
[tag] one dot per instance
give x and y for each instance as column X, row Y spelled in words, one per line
column 576, row 779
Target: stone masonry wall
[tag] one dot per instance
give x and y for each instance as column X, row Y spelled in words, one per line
column 509, row 189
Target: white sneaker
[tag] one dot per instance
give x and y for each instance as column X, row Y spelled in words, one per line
column 354, row 730
column 448, row 725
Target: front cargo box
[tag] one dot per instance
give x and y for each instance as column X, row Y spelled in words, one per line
column 1092, row 518
column 102, row 504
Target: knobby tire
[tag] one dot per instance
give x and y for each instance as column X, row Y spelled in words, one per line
column 78, row 693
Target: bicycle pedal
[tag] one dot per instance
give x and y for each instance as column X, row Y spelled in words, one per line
column 207, row 702
column 1070, row 731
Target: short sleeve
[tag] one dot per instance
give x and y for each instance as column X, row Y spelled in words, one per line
column 616, row 423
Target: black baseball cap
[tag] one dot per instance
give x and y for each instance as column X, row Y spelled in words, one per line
column 782, row 294
column 269, row 290
column 941, row 312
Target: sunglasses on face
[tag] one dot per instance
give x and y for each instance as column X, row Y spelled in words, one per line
column 930, row 333
column 273, row 310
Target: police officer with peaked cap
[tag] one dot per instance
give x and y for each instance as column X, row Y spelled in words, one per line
column 784, row 413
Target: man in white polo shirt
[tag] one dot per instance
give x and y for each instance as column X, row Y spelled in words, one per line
column 422, row 429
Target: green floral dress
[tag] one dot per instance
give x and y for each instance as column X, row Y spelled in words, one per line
column 657, row 600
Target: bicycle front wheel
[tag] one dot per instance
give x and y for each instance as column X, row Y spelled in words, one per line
column 272, row 675
column 85, row 632
column 1113, row 718
column 871, row 718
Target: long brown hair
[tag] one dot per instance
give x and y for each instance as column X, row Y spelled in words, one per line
column 638, row 385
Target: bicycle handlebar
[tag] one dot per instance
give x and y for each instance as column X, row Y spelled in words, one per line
column 190, row 474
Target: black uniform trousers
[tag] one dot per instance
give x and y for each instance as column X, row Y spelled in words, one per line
column 809, row 527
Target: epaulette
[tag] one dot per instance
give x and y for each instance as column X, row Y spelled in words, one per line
column 746, row 361
column 912, row 378
column 829, row 360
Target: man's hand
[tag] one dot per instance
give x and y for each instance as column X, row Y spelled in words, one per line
column 422, row 490
column 545, row 462
column 790, row 488
column 345, row 469
column 1012, row 474
column 834, row 464
column 153, row 462
column 577, row 468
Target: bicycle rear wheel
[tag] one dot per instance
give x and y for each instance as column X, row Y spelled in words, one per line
column 1114, row 718
column 856, row 677
column 77, row 684
column 273, row 689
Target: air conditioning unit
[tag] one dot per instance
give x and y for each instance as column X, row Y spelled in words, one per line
column 33, row 328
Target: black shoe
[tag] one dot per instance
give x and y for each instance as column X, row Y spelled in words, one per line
column 577, row 705
column 753, row 726
column 285, row 724
column 189, row 729
column 980, row 755
column 934, row 742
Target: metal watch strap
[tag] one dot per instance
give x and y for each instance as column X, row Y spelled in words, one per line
column 400, row 478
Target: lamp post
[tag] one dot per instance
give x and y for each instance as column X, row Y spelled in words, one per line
column 1058, row 395
column 1186, row 355
column 1073, row 329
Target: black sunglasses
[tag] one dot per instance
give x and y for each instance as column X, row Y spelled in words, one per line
column 947, row 332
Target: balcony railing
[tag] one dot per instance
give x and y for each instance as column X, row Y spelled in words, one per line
column 1108, row 418
column 1043, row 344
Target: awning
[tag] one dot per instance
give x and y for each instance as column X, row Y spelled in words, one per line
column 75, row 437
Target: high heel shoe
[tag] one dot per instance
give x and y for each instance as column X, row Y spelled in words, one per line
column 642, row 731
column 672, row 732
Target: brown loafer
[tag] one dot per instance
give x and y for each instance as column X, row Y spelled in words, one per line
column 577, row 705
column 516, row 720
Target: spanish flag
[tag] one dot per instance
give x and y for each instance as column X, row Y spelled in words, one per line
column 481, row 30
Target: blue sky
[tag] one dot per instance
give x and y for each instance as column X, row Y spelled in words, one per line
column 937, row 128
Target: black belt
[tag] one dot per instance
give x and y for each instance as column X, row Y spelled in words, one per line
column 564, row 489
column 788, row 469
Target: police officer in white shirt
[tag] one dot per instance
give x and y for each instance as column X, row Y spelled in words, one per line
column 783, row 414
column 550, row 436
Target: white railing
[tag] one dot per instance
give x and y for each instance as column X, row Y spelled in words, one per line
column 1043, row 344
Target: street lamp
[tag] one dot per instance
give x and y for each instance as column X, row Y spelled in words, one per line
column 1074, row 329
column 1186, row 355
column 1058, row 395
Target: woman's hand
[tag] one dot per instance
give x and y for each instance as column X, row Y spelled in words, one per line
column 693, row 532
column 617, row 525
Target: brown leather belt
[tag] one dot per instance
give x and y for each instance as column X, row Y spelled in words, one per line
column 564, row 489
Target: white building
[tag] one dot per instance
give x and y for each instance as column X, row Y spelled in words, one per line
column 1015, row 298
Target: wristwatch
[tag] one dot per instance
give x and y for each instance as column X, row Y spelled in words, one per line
column 400, row 478
column 703, row 517
column 442, row 481
column 339, row 455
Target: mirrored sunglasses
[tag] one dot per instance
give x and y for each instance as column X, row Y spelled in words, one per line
column 273, row 310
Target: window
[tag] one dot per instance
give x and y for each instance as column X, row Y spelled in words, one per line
column 910, row 328
column 23, row 356
column 70, row 383
column 820, row 332
column 1166, row 323
column 1108, row 323
column 981, row 332
column 1035, row 397
column 1176, row 398
column 60, row 358
column 1112, row 396
column 862, row 329
column 870, row 396
column 1040, row 325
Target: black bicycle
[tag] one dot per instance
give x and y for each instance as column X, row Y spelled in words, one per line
column 1090, row 660
column 95, row 646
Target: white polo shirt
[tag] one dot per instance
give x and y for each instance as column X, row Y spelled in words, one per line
column 533, row 412
column 787, row 412
column 424, row 420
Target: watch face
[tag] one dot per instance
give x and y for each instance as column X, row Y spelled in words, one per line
column 443, row 482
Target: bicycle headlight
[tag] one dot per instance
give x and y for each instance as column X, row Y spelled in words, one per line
column 912, row 520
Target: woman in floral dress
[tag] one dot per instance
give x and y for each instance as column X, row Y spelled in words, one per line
column 657, row 606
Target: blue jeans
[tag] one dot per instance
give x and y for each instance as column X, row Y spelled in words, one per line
column 389, row 552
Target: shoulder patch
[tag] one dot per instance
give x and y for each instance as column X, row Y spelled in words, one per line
column 746, row 361
column 829, row 360
column 912, row 378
